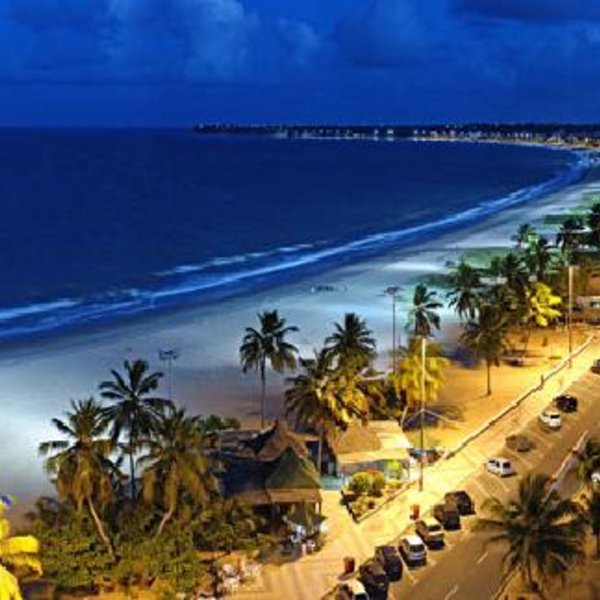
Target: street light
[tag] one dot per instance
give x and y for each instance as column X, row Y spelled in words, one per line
column 570, row 314
column 394, row 292
column 169, row 355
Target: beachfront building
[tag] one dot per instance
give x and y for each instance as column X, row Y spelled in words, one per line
column 270, row 471
column 378, row 445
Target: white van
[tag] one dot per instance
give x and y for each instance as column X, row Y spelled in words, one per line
column 551, row 419
column 500, row 466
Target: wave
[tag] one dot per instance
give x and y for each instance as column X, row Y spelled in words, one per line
column 226, row 276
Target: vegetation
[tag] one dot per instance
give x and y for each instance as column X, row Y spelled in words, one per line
column 486, row 337
column 465, row 294
column 589, row 460
column 268, row 344
column 592, row 512
column 135, row 407
column 423, row 315
column 352, row 344
column 543, row 532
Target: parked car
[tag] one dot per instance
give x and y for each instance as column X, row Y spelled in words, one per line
column 519, row 443
column 500, row 466
column 431, row 532
column 550, row 420
column 447, row 515
column 462, row 500
column 373, row 577
column 596, row 366
column 390, row 560
column 351, row 590
column 566, row 403
column 595, row 480
column 413, row 550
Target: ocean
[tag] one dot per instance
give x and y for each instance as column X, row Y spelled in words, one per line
column 101, row 225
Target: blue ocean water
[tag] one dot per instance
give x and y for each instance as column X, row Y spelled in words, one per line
column 101, row 224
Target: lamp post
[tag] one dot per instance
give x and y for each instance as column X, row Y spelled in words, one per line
column 570, row 314
column 169, row 355
column 422, row 415
column 394, row 292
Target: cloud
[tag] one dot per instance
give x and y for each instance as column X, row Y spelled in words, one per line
column 300, row 40
column 531, row 10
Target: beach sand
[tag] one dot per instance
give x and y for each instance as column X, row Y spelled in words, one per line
column 39, row 379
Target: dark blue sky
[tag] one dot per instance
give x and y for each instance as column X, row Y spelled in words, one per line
column 174, row 62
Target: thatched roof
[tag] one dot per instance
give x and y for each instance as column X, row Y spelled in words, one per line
column 355, row 438
column 286, row 480
column 272, row 443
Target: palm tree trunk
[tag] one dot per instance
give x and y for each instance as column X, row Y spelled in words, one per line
column 489, row 377
column 166, row 518
column 598, row 544
column 101, row 531
column 529, row 577
column 132, row 467
column 263, row 382
column 320, row 449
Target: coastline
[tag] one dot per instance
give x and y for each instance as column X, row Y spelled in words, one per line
column 41, row 377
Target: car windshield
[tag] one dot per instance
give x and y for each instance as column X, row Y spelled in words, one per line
column 434, row 527
column 416, row 547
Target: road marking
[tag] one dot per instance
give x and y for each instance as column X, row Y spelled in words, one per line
column 540, row 438
column 482, row 558
column 451, row 593
column 480, row 488
column 410, row 575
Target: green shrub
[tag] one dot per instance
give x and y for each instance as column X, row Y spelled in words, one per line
column 377, row 483
column 360, row 483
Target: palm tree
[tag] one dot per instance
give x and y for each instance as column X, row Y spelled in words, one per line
column 569, row 236
column 540, row 308
column 592, row 510
column 406, row 379
column 17, row 552
column 81, row 464
column 423, row 316
column 538, row 258
column 268, row 344
column 464, row 296
column 135, row 407
column 174, row 464
column 544, row 532
column 593, row 223
column 589, row 460
column 524, row 236
column 486, row 337
column 352, row 343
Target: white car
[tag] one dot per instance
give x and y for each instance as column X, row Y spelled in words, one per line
column 500, row 466
column 551, row 419
column 413, row 550
column 595, row 480
column 352, row 590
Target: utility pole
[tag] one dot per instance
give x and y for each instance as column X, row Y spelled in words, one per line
column 570, row 314
column 422, row 415
column 394, row 292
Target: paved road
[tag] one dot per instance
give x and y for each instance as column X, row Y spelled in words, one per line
column 467, row 569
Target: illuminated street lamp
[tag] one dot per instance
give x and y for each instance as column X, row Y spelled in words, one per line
column 169, row 355
column 394, row 292
column 570, row 313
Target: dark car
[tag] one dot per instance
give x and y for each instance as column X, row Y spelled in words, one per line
column 374, row 579
column 431, row 532
column 566, row 403
column 463, row 502
column 390, row 560
column 447, row 515
column 519, row 443
column 596, row 366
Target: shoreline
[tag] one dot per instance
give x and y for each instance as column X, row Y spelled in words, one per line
column 40, row 378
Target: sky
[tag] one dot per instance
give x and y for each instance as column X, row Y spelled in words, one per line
column 178, row 62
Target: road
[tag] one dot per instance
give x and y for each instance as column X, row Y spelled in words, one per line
column 467, row 568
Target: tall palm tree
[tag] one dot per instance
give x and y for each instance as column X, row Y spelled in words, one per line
column 268, row 344
column 15, row 551
column 589, row 460
column 352, row 343
column 592, row 513
column 593, row 223
column 314, row 398
column 544, row 532
column 174, row 464
column 81, row 464
column 135, row 407
column 423, row 316
column 569, row 236
column 486, row 337
column 538, row 258
column 406, row 379
column 465, row 293
column 524, row 236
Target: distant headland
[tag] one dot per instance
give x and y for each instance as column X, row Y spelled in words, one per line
column 559, row 134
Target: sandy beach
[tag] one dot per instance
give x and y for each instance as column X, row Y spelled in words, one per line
column 38, row 380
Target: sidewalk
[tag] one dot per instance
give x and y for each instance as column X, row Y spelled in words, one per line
column 313, row 576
